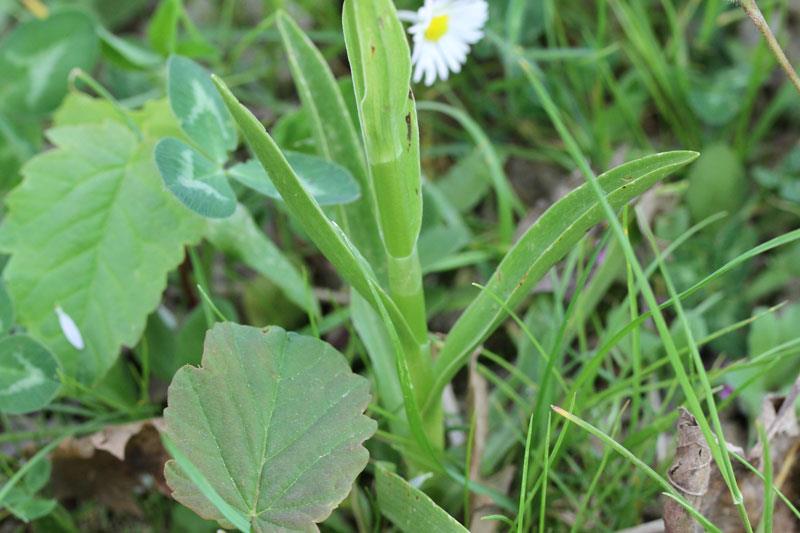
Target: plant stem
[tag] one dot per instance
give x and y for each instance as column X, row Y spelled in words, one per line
column 405, row 287
column 751, row 9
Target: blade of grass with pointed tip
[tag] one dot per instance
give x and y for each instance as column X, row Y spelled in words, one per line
column 507, row 201
column 716, row 442
column 644, row 467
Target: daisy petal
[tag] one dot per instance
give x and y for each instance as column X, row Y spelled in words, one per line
column 442, row 32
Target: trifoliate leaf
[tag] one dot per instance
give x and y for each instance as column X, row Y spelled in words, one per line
column 199, row 108
column 327, row 182
column 91, row 229
column 38, row 56
column 273, row 422
column 28, row 375
column 197, row 182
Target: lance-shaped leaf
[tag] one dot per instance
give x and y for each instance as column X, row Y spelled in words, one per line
column 91, row 230
column 199, row 108
column 328, row 183
column 274, row 422
column 542, row 246
column 37, row 57
column 409, row 508
column 200, row 184
column 334, row 132
column 328, row 237
column 381, row 64
column 28, row 375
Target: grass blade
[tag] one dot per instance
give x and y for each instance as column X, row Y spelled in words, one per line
column 644, row 467
column 544, row 244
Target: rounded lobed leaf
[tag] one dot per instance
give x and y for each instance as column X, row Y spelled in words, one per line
column 274, row 422
column 28, row 375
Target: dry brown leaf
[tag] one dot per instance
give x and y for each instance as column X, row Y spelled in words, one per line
column 481, row 505
column 779, row 418
column 111, row 466
column 114, row 439
column 689, row 474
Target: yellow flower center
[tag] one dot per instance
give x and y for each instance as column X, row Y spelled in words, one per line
column 437, row 28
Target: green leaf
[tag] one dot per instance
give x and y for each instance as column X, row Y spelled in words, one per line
column 274, row 422
column 239, row 236
column 328, row 237
column 163, row 29
column 328, row 183
column 717, row 99
column 37, row 57
column 28, row 375
column 542, row 246
column 38, row 476
column 380, row 61
column 26, row 507
column 20, row 139
column 21, row 499
column 717, row 183
column 90, row 221
column 170, row 345
column 506, row 198
column 6, row 310
column 409, row 508
column 230, row 516
column 197, row 182
column 334, row 131
column 127, row 53
column 199, row 108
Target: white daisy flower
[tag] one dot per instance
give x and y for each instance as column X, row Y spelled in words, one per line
column 69, row 328
column 443, row 31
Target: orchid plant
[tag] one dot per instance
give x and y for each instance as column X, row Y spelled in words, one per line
column 268, row 428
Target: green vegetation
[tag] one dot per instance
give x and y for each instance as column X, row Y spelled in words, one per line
column 281, row 265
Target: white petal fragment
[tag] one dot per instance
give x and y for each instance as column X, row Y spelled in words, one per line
column 69, row 328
